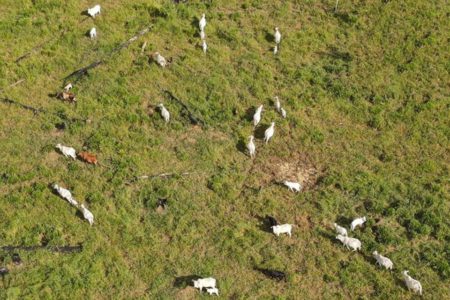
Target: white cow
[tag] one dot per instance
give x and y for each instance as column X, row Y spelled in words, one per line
column 293, row 186
column 202, row 23
column 213, row 291
column 257, row 115
column 94, row 11
column 93, row 33
column 251, row 147
column 349, row 242
column 357, row 222
column 269, row 132
column 204, row 46
column 412, row 284
column 277, row 103
column 68, row 87
column 279, row 229
column 164, row 113
column 277, row 36
column 65, row 194
column 204, row 283
column 383, row 260
column 340, row 230
column 283, row 113
column 87, row 214
column 160, row 59
column 67, row 151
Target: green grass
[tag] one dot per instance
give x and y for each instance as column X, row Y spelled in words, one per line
column 366, row 90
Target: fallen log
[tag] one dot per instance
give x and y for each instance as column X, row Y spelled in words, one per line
column 37, row 111
column 194, row 119
column 78, row 74
column 59, row 249
column 40, row 46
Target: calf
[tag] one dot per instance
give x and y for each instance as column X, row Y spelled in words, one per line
column 383, row 260
column 349, row 242
column 279, row 229
column 213, row 291
column 293, row 186
column 94, row 11
column 340, row 230
column 87, row 214
column 204, row 283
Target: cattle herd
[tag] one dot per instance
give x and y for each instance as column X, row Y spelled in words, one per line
column 210, row 284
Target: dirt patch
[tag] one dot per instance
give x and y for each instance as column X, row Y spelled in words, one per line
column 187, row 293
column 296, row 168
column 52, row 158
column 303, row 222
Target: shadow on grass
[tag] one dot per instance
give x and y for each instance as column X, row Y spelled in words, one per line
column 242, row 147
column 259, row 131
column 266, row 222
column 184, row 281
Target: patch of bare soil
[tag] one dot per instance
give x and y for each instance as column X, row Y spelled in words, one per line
column 297, row 168
column 187, row 293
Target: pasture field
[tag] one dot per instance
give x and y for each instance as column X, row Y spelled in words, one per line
column 367, row 95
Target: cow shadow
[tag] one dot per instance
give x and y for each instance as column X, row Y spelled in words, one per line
column 248, row 116
column 241, row 147
column 184, row 281
column 263, row 224
column 269, row 37
column 260, row 130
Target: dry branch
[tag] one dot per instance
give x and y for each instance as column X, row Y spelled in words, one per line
column 162, row 175
column 60, row 249
column 78, row 74
column 40, row 46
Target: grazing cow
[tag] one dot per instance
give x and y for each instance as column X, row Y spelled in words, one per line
column 93, row 33
column 4, row 271
column 202, row 35
column 66, row 96
column 87, row 214
column 349, row 242
column 212, row 291
column 164, row 113
column 293, row 186
column 283, row 113
column 412, row 284
column 277, row 36
column 257, row 115
column 160, row 60
column 162, row 203
column 279, row 229
column 340, row 230
column 68, row 87
column 383, row 260
column 273, row 274
column 202, row 23
column 67, row 151
column 94, row 11
column 269, row 132
column 251, row 147
column 65, row 194
column 88, row 157
column 357, row 222
column 204, row 283
column 204, row 46
column 277, row 103
column 271, row 221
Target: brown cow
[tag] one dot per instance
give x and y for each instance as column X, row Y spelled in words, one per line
column 88, row 157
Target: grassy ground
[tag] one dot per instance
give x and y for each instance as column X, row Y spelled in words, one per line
column 366, row 90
